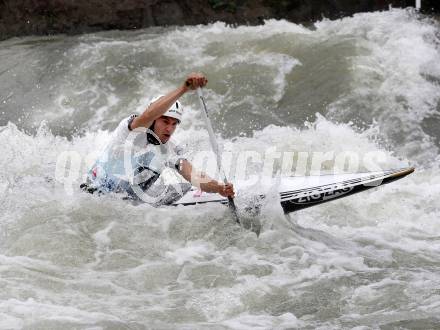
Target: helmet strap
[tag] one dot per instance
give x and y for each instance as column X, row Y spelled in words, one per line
column 152, row 138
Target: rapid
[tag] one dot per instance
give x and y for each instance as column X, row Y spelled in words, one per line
column 367, row 83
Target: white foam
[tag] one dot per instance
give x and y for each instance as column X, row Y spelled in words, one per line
column 249, row 321
column 24, row 312
column 84, row 259
column 396, row 52
column 192, row 252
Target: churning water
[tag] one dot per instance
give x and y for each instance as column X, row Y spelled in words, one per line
column 368, row 83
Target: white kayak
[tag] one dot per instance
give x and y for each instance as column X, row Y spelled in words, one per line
column 299, row 192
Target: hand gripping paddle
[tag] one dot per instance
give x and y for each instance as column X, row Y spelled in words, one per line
column 214, row 146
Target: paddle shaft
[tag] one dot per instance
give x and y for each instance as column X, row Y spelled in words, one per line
column 215, row 148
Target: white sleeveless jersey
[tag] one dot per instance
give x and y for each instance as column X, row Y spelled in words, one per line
column 129, row 159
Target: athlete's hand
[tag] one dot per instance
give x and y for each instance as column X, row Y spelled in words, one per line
column 195, row 80
column 226, row 190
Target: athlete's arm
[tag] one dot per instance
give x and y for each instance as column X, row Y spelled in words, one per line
column 204, row 182
column 158, row 108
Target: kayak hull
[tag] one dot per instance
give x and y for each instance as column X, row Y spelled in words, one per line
column 297, row 193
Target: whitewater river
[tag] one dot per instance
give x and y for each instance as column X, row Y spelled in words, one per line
column 364, row 84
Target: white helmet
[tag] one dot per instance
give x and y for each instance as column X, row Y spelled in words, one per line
column 175, row 111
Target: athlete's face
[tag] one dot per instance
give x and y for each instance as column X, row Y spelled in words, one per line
column 164, row 127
